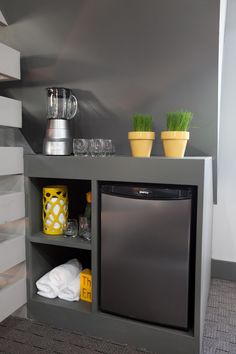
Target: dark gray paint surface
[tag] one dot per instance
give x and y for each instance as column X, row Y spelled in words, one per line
column 119, row 57
column 121, row 168
column 40, row 257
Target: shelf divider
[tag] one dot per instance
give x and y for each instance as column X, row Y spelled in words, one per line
column 60, row 240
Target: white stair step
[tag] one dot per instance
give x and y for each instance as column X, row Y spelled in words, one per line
column 11, row 161
column 12, row 206
column 3, row 21
column 12, row 290
column 9, row 63
column 12, row 183
column 10, row 112
column 12, row 251
column 16, row 227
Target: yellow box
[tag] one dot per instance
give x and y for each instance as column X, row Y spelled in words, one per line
column 86, row 285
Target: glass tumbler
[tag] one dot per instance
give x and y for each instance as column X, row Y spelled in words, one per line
column 70, row 228
column 84, row 228
column 108, row 147
column 96, row 147
column 81, row 147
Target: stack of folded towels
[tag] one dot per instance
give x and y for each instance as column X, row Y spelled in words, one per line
column 62, row 281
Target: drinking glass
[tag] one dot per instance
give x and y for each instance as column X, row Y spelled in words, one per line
column 113, row 150
column 96, row 147
column 81, row 147
column 84, row 228
column 70, row 228
column 108, row 147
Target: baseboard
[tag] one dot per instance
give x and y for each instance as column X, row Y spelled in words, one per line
column 223, row 270
column 21, row 312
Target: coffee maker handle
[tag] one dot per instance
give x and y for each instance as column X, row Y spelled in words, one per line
column 74, row 106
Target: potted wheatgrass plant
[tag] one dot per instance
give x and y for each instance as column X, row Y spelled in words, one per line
column 176, row 137
column 142, row 136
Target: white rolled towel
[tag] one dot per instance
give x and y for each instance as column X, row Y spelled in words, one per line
column 72, row 291
column 65, row 273
column 46, row 288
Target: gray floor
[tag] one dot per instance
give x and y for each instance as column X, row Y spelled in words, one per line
column 220, row 325
column 19, row 336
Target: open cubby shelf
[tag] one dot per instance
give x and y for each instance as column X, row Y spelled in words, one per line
column 77, row 190
column 60, row 240
column 45, row 258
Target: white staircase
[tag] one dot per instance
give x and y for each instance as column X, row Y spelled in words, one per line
column 12, row 199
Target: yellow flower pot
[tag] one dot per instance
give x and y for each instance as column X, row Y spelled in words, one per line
column 174, row 143
column 141, row 143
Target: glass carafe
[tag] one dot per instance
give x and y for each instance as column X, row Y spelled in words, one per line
column 62, row 104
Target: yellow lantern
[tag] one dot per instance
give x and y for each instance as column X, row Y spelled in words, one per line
column 55, row 209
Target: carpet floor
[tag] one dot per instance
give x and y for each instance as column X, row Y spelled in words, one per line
column 21, row 336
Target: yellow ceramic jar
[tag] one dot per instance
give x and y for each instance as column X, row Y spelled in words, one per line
column 174, row 143
column 141, row 143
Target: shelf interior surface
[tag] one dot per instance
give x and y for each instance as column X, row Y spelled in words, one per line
column 81, row 306
column 60, row 240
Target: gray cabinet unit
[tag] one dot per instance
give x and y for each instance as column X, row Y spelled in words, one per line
column 44, row 252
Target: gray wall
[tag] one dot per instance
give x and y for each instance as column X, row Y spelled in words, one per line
column 120, row 57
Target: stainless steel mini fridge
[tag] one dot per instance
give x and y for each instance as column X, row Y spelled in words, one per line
column 147, row 241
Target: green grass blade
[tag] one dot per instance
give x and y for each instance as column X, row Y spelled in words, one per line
column 142, row 122
column 179, row 121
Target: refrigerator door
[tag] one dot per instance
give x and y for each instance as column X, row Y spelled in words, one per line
column 145, row 250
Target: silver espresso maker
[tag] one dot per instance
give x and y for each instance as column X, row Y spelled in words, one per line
column 62, row 106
